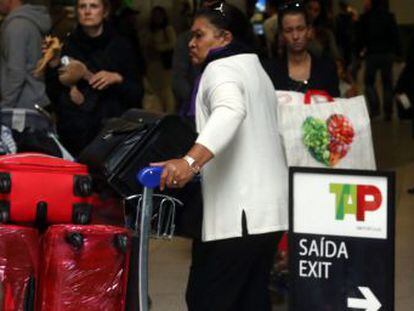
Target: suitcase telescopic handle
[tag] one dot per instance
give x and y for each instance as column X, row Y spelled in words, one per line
column 148, row 177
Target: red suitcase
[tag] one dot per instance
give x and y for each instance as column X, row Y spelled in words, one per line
column 18, row 267
column 40, row 188
column 84, row 268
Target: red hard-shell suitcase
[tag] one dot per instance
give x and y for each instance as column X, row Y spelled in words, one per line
column 19, row 255
column 40, row 188
column 84, row 268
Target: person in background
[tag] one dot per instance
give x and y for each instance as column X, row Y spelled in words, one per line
column 404, row 89
column 345, row 31
column 183, row 73
column 21, row 38
column 378, row 40
column 123, row 20
column 158, row 44
column 323, row 42
column 244, row 171
column 185, row 15
column 112, row 87
column 298, row 69
column 270, row 26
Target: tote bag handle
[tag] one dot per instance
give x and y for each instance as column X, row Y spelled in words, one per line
column 310, row 93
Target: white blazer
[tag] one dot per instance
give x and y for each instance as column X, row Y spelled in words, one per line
column 237, row 121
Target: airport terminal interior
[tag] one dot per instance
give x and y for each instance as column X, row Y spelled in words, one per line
column 169, row 261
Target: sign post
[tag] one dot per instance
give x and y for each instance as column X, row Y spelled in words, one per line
column 341, row 240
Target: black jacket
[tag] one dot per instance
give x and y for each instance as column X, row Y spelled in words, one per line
column 323, row 76
column 78, row 125
column 377, row 32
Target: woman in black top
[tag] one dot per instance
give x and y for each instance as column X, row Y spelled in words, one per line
column 298, row 70
column 111, row 90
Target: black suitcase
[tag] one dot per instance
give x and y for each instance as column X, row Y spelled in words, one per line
column 131, row 142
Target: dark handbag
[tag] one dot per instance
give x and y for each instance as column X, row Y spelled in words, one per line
column 113, row 139
column 168, row 138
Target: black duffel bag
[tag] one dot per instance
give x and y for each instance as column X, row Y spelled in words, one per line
column 130, row 143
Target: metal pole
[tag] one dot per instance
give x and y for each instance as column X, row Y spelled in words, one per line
column 146, row 212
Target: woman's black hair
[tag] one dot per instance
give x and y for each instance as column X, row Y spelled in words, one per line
column 227, row 17
column 154, row 25
column 292, row 8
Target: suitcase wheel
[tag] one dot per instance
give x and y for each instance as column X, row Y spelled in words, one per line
column 83, row 219
column 121, row 242
column 5, row 183
column 4, row 211
column 75, row 239
column 82, row 213
column 82, row 186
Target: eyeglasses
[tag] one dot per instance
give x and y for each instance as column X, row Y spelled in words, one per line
column 291, row 5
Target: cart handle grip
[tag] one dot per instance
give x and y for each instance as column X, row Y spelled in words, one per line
column 150, row 176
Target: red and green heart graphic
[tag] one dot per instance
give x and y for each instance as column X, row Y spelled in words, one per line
column 328, row 141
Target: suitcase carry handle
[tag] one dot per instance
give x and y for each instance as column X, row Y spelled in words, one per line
column 320, row 93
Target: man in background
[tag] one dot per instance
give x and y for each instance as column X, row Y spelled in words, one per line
column 378, row 40
column 22, row 33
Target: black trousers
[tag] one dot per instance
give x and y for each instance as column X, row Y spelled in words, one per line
column 232, row 274
column 382, row 63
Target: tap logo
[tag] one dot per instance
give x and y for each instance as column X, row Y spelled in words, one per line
column 355, row 200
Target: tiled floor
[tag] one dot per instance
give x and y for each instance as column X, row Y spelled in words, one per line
column 169, row 261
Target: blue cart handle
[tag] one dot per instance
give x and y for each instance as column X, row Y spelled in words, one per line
column 150, row 177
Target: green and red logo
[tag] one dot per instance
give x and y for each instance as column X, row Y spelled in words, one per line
column 355, row 200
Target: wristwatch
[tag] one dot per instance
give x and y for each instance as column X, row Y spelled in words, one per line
column 192, row 164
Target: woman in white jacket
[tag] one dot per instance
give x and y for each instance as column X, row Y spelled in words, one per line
column 244, row 172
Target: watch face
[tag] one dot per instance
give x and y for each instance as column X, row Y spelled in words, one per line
column 189, row 160
column 193, row 166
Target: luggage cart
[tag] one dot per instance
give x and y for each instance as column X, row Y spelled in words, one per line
column 151, row 221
